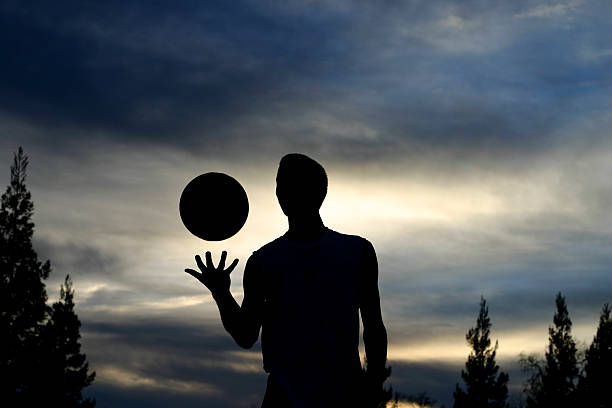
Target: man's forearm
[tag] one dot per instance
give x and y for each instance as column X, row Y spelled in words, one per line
column 232, row 318
column 375, row 343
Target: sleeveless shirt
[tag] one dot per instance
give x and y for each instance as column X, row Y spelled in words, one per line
column 310, row 325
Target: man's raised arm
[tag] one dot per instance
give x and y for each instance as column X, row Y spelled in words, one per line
column 241, row 322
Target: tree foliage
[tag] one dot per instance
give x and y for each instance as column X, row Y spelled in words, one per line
column 39, row 345
column 485, row 388
column 554, row 380
column 22, row 290
column 66, row 367
column 595, row 385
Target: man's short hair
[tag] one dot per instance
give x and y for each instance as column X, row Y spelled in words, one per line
column 303, row 177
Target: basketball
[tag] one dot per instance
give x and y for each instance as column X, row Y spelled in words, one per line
column 214, row 206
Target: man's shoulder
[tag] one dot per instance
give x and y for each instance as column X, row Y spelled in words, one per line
column 273, row 245
column 346, row 242
column 349, row 239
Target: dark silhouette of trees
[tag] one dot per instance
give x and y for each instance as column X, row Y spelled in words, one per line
column 594, row 386
column 33, row 336
column 554, row 380
column 66, row 367
column 22, row 290
column 484, row 386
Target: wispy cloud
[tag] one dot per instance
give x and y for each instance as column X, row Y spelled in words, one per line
column 555, row 9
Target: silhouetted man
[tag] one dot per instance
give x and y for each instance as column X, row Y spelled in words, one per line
column 305, row 290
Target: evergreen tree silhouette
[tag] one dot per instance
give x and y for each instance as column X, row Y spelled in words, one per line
column 484, row 387
column 66, row 368
column 27, row 323
column 554, row 381
column 595, row 385
column 22, row 290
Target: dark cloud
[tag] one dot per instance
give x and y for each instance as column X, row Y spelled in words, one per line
column 85, row 262
column 245, row 75
column 112, row 396
column 148, row 69
column 169, row 355
column 77, row 258
column 169, row 338
column 438, row 379
column 165, row 351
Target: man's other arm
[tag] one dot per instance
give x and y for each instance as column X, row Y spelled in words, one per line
column 374, row 332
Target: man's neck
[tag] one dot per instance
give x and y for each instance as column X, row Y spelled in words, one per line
column 306, row 227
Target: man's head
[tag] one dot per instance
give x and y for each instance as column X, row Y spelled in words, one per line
column 301, row 184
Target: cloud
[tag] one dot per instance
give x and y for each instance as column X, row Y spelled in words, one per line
column 118, row 377
column 196, row 362
column 350, row 80
column 148, row 70
column 82, row 259
column 590, row 54
column 438, row 380
column 551, row 10
column 515, row 229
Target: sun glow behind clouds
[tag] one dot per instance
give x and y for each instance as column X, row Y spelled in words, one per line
column 511, row 344
column 432, row 234
column 365, row 202
column 384, row 210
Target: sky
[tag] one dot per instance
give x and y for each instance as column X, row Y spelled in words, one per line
column 469, row 141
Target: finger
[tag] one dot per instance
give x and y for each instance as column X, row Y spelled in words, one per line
column 232, row 266
column 222, row 261
column 209, row 262
column 193, row 273
column 200, row 263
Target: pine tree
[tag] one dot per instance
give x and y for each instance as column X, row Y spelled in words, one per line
column 485, row 388
column 595, row 385
column 37, row 343
column 22, row 290
column 67, row 368
column 554, row 381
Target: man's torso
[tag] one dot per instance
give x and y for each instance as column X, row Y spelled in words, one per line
column 310, row 328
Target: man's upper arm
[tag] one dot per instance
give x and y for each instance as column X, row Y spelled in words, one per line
column 253, row 301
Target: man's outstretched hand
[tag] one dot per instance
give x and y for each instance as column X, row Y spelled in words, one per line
column 217, row 280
